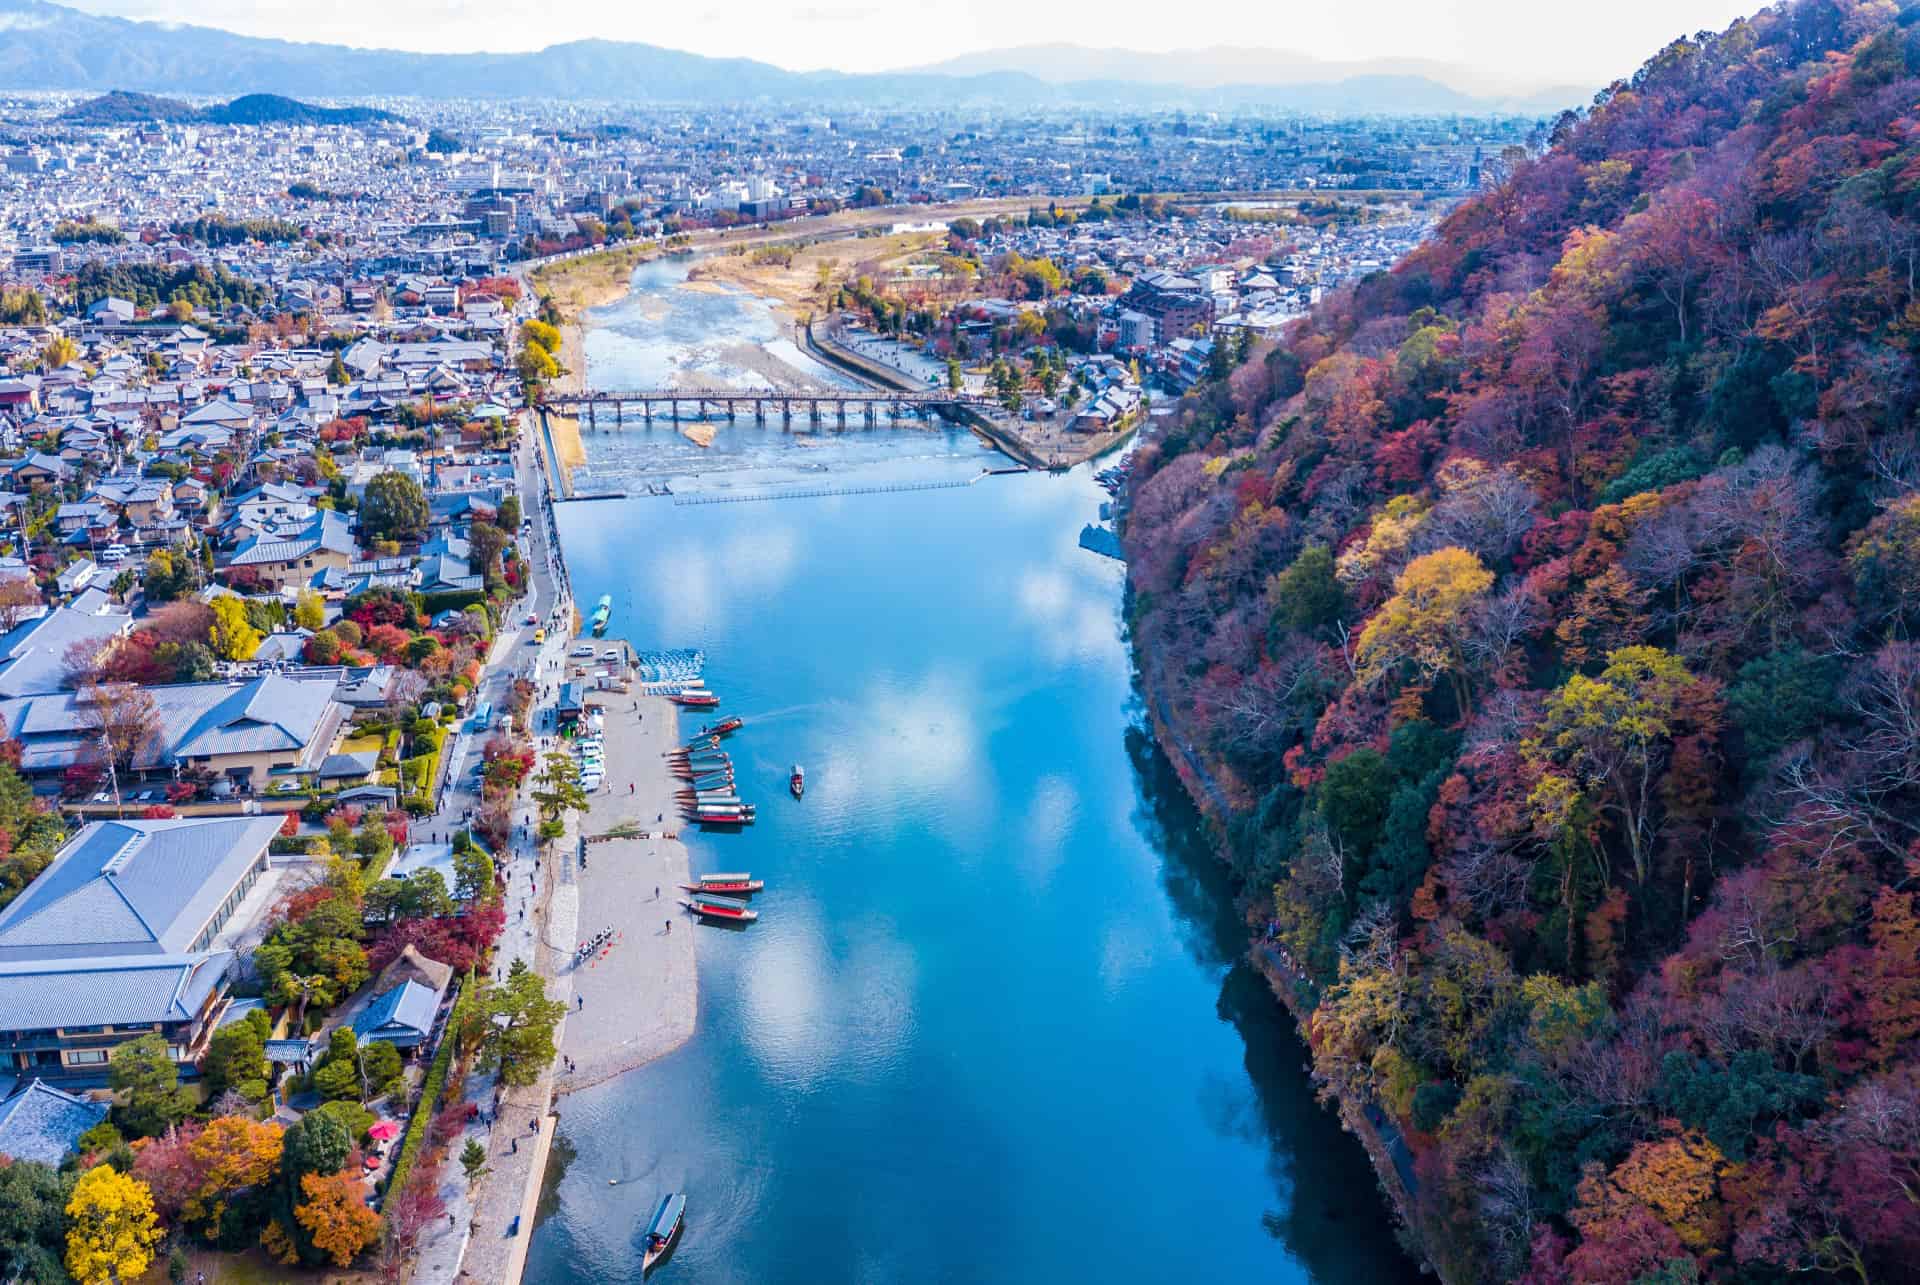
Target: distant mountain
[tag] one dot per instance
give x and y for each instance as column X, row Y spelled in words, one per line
column 121, row 107
column 272, row 109
column 1243, row 73
column 51, row 46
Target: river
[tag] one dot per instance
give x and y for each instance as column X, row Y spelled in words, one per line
column 993, row 1024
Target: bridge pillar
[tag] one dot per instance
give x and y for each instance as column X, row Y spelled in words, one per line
column 786, row 412
column 868, row 408
column 619, row 414
column 813, row 410
column 646, row 413
column 759, row 411
column 842, row 407
column 590, row 419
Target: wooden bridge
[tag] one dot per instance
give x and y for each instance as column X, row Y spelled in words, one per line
column 869, row 405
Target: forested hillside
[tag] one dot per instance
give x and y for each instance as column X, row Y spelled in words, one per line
column 1544, row 612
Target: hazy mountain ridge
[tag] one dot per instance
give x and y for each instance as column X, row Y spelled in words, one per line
column 121, row 107
column 51, row 46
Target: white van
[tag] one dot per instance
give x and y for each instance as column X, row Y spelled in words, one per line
column 115, row 553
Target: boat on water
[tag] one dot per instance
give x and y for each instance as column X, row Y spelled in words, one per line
column 713, row 906
column 713, row 816
column 739, row 884
column 724, row 727
column 601, row 613
column 797, row 782
column 695, row 698
column 664, row 1230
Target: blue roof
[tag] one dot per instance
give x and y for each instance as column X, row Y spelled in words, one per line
column 402, row 1015
column 43, row 1123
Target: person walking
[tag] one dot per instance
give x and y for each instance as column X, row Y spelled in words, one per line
column 669, row 927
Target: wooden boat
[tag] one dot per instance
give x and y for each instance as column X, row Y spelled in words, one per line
column 704, row 816
column 724, row 727
column 797, row 782
column 664, row 1230
column 737, row 885
column 696, row 698
column 729, row 909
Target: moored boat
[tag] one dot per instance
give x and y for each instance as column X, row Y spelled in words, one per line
column 696, row 698
column 710, row 816
column 712, row 906
column 722, row 728
column 797, row 782
column 664, row 1230
column 741, row 884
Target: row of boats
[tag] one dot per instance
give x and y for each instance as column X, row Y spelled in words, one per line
column 723, row 897
column 708, row 796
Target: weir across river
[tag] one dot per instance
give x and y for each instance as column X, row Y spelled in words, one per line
column 615, row 407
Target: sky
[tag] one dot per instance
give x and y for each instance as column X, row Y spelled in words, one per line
column 1507, row 41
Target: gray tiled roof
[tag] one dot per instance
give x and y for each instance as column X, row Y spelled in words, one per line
column 268, row 713
column 326, row 530
column 132, row 888
column 33, row 655
column 43, row 1123
column 402, row 1015
column 125, row 990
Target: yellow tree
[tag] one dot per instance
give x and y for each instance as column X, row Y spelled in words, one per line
column 233, row 636
column 309, row 612
column 1610, row 736
column 336, row 1215
column 1676, row 1178
column 235, row 1154
column 111, row 1227
column 1424, row 624
column 60, row 351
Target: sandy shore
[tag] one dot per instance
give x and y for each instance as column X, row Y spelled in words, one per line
column 637, row 999
column 801, row 279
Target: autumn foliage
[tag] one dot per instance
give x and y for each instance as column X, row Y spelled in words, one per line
column 1540, row 612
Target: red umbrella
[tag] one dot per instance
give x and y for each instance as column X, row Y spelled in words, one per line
column 385, row 1131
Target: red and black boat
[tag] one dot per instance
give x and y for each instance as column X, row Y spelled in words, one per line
column 726, row 909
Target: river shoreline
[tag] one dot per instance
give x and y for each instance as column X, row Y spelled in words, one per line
column 1212, row 803
column 637, row 999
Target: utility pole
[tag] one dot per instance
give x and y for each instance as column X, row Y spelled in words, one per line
column 113, row 775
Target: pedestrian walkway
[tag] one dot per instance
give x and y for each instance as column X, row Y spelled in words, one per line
column 479, row 1242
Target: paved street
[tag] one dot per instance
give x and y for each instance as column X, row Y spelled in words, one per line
column 476, row 1230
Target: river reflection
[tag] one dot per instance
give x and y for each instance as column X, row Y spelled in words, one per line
column 993, row 1023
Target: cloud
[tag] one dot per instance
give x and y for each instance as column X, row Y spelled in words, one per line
column 1050, row 819
column 1071, row 619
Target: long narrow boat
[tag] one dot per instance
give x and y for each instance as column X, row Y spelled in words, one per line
column 697, row 698
column 738, row 885
column 664, row 1230
column 730, row 909
column 724, row 727
column 710, row 817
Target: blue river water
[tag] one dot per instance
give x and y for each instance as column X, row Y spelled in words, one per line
column 993, row 1023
